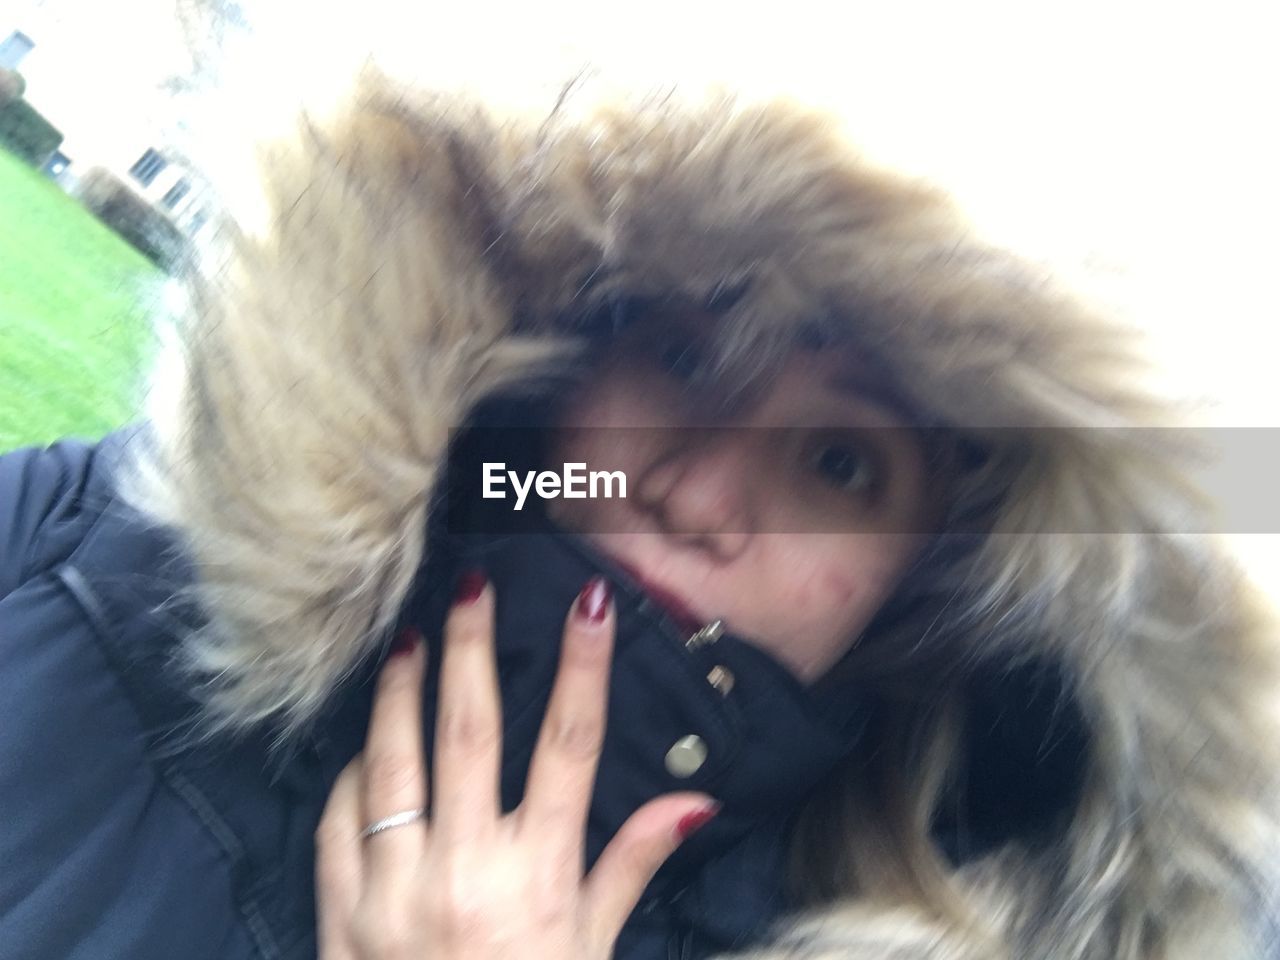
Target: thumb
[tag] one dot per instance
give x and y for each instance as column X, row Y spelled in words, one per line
column 633, row 856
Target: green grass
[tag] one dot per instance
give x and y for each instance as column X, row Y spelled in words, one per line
column 74, row 334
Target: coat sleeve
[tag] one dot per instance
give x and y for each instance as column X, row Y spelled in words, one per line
column 101, row 855
column 41, row 491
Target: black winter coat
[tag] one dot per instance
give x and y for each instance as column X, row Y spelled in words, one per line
column 125, row 837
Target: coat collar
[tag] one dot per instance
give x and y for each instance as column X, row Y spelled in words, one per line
column 767, row 740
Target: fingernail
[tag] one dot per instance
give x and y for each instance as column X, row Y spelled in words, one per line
column 406, row 640
column 695, row 819
column 593, row 601
column 470, row 586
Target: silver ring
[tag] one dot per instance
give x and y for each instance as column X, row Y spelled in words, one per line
column 395, row 820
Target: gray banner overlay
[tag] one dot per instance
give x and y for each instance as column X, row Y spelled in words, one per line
column 840, row 480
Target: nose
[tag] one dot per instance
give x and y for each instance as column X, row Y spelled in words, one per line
column 700, row 490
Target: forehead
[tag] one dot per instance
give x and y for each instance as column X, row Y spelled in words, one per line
column 855, row 375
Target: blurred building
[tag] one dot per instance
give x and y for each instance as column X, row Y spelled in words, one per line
column 110, row 103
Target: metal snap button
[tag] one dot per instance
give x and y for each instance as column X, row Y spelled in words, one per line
column 706, row 635
column 686, row 756
column 721, row 678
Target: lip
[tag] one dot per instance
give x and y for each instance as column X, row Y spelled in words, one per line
column 675, row 606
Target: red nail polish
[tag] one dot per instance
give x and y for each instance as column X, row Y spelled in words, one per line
column 406, row 640
column 470, row 585
column 593, row 601
column 692, row 821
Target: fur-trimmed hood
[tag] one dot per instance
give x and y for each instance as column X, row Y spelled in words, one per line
column 421, row 254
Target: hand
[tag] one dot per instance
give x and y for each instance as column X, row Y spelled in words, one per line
column 474, row 884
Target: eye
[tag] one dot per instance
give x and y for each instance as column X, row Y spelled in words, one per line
column 844, row 465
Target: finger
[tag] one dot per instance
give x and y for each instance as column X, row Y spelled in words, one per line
column 468, row 749
column 563, row 769
column 338, row 864
column 633, row 856
column 394, row 767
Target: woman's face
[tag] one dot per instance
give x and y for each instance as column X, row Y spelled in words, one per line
column 791, row 518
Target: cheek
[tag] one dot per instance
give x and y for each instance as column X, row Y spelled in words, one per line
column 821, row 598
column 844, row 591
column 836, row 599
column 821, row 592
column 854, row 586
column 835, row 584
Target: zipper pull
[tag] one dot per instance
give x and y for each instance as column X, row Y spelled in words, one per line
column 706, row 635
